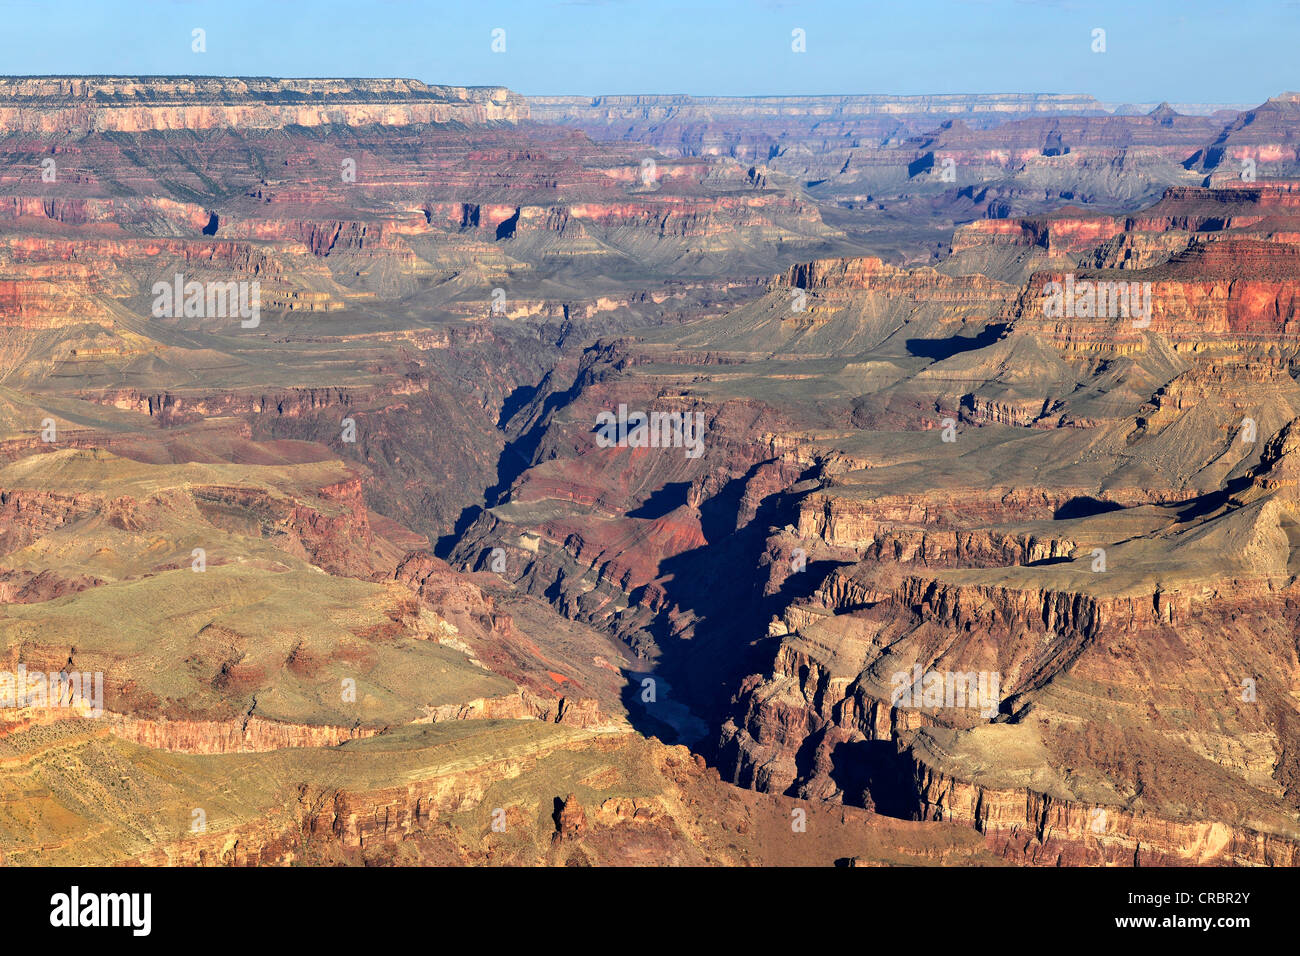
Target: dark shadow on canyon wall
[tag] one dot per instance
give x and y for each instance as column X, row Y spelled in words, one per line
column 720, row 633
column 1084, row 507
column 663, row 501
column 873, row 774
column 940, row 349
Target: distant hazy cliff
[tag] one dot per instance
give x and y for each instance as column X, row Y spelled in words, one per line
column 54, row 104
column 562, row 108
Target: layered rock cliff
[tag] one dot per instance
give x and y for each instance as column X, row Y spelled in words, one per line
column 80, row 104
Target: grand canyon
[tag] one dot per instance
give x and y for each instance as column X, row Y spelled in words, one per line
column 398, row 473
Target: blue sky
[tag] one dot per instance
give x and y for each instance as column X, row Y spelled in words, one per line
column 1241, row 51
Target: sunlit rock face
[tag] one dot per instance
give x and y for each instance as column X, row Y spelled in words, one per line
column 59, row 105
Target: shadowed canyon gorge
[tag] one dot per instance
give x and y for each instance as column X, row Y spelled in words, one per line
column 426, row 474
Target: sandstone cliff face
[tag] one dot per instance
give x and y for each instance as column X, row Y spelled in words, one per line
column 1251, row 207
column 250, row 735
column 255, row 735
column 1233, row 291
column 59, row 105
column 840, row 278
column 171, row 408
column 1058, row 234
column 1028, row 827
